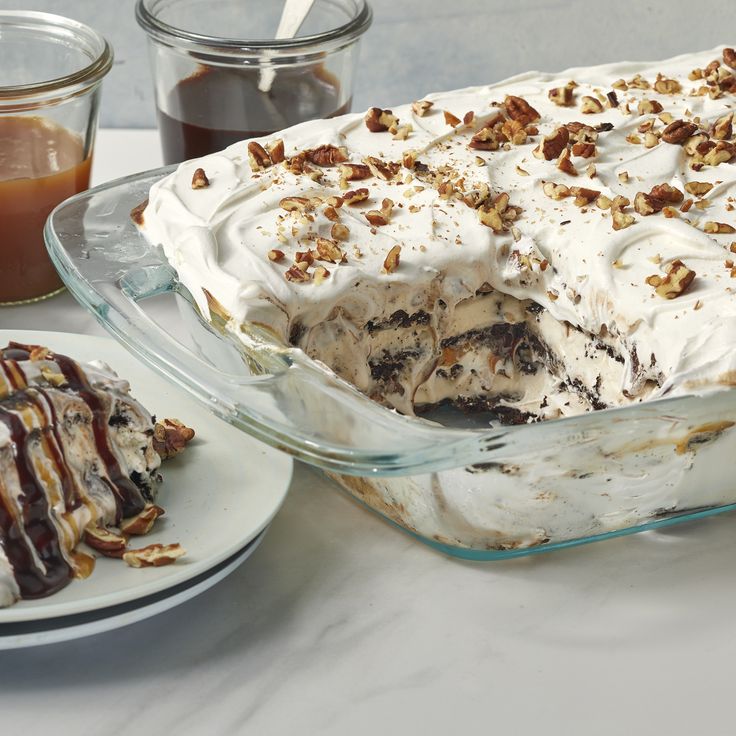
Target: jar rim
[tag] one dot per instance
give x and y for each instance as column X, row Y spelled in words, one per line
column 170, row 35
column 68, row 84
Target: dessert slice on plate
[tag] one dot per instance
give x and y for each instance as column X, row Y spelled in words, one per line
column 79, row 461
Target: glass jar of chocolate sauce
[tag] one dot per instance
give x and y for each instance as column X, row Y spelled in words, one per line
column 51, row 69
column 208, row 60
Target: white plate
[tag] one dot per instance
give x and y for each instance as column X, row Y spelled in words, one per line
column 54, row 630
column 218, row 495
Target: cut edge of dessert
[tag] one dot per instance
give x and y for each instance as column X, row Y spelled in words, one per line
column 79, row 472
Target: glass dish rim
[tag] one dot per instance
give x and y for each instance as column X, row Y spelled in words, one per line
column 72, row 83
column 171, row 35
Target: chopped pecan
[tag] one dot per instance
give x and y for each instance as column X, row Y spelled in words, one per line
column 294, row 273
column 612, row 98
column 355, row 196
column 698, row 188
column 667, row 193
column 402, row 132
column 382, row 169
column 276, row 150
column 320, row 274
column 154, row 555
column 451, row 119
column 721, row 153
column 645, row 204
column 393, row 257
column 667, row 86
column 723, row 127
column 649, row 107
column 295, row 204
column 584, row 196
column 377, row 120
column 517, row 108
column 170, row 437
column 329, row 250
column 258, row 156
column 339, row 231
column 584, row 150
column 304, row 256
column 552, row 145
column 485, row 139
column 561, row 96
column 590, row 105
column 136, row 214
column 421, row 107
column 354, row 172
column 276, row 255
column 678, row 132
column 565, row 164
column 143, row 522
column 327, row 155
column 380, row 217
column 556, row 191
column 199, row 179
column 675, row 282
column 729, row 57
column 622, row 220
column 104, row 541
column 491, row 217
column 718, row 228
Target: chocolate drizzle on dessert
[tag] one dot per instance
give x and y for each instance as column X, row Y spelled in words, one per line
column 32, row 534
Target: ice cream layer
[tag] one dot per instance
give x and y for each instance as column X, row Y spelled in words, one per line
column 592, row 209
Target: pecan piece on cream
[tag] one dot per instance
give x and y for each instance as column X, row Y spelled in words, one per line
column 377, row 120
column 565, row 164
column 729, row 57
column 339, row 231
column 327, row 155
column 517, row 108
column 136, row 214
column 667, row 86
column 584, row 196
column 723, row 127
column 354, row 196
column 421, row 107
column 698, row 188
column 329, row 250
column 199, row 179
column 552, row 145
column 276, row 151
column 296, row 274
column 622, row 220
column 649, row 107
column 392, row 259
column 320, row 275
column 354, row 172
column 485, row 139
column 667, row 193
column 451, row 119
column 556, row 191
column 382, row 169
column 676, row 281
column 154, row 555
column 258, row 156
column 295, row 204
column 490, row 217
column 678, row 131
column 718, row 228
column 584, row 150
column 561, row 96
column 276, row 255
column 590, row 105
column 377, row 218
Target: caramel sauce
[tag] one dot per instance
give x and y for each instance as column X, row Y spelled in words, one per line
column 41, row 164
column 214, row 108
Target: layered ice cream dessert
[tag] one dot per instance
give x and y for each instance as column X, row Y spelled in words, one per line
column 79, row 462
column 543, row 246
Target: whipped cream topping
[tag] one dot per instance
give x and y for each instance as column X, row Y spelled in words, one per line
column 564, row 256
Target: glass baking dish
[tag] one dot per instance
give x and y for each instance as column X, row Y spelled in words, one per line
column 473, row 488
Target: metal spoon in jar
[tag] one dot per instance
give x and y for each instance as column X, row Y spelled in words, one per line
column 292, row 17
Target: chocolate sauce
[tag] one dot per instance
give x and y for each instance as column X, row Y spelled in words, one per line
column 217, row 107
column 37, row 527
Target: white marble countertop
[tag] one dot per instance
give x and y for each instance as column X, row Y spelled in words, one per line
column 340, row 624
